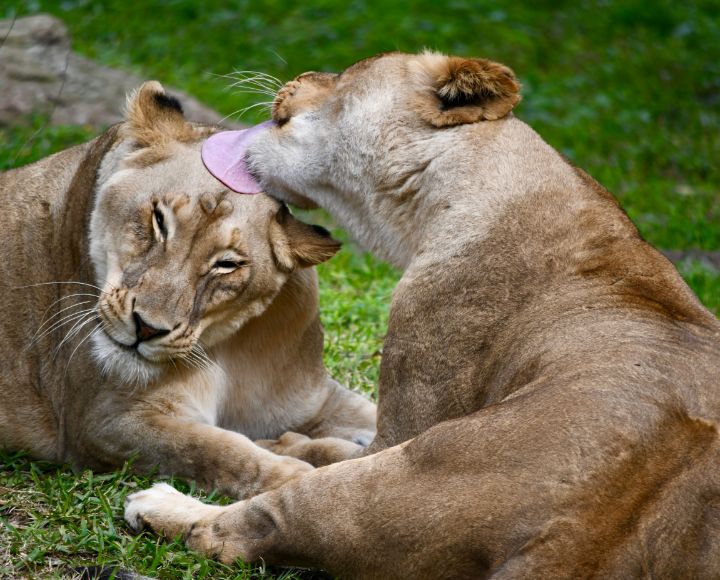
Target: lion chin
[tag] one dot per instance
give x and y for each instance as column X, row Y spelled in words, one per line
column 124, row 362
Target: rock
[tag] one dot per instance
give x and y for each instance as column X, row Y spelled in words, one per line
column 39, row 73
column 710, row 260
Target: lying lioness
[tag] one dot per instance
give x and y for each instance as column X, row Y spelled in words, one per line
column 148, row 311
column 550, row 387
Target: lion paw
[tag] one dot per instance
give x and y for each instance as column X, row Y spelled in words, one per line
column 283, row 445
column 164, row 509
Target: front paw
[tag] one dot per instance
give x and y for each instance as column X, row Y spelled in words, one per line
column 165, row 510
column 316, row 452
column 285, row 444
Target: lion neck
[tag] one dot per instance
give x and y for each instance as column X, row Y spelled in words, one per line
column 433, row 196
column 77, row 206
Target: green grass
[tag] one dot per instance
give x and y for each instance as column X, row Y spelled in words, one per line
column 23, row 145
column 628, row 90
column 53, row 520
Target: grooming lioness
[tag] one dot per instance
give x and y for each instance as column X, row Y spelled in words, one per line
column 550, row 387
column 148, row 311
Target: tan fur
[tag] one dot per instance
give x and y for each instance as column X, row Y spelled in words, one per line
column 303, row 94
column 460, row 90
column 232, row 343
column 549, row 391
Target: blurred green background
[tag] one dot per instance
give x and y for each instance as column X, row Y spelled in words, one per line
column 628, row 90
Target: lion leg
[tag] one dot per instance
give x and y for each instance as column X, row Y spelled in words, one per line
column 431, row 506
column 224, row 533
column 342, row 429
column 514, row 490
column 343, row 518
column 176, row 445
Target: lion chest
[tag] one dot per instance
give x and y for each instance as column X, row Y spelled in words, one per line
column 262, row 403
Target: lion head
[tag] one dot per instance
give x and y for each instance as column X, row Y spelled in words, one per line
column 364, row 142
column 182, row 261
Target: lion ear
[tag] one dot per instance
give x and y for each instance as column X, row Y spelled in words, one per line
column 296, row 244
column 154, row 117
column 464, row 90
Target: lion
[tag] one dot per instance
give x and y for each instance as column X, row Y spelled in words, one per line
column 151, row 313
column 549, row 391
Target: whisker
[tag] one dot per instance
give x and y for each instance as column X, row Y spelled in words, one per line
column 270, row 78
column 135, row 384
column 190, row 362
column 89, row 334
column 226, row 117
column 60, row 283
column 253, row 91
column 252, row 87
column 256, row 84
column 184, row 358
column 254, row 78
column 44, row 322
column 62, row 298
column 201, row 349
column 77, row 327
column 250, row 107
column 211, row 364
column 237, row 72
column 198, row 361
column 255, row 72
column 74, row 331
column 204, row 362
column 68, row 297
column 277, row 55
column 75, row 316
column 241, row 112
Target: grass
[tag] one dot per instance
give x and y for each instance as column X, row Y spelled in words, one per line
column 627, row 90
column 54, row 520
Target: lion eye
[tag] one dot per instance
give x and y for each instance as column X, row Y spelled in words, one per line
column 159, row 222
column 227, row 266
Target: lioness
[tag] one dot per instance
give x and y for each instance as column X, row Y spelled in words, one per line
column 550, row 387
column 150, row 312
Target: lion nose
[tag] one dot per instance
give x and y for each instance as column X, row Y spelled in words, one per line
column 144, row 331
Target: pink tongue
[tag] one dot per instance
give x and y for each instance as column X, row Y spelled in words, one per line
column 224, row 156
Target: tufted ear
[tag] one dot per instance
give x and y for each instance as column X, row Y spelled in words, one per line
column 455, row 90
column 153, row 117
column 296, row 244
